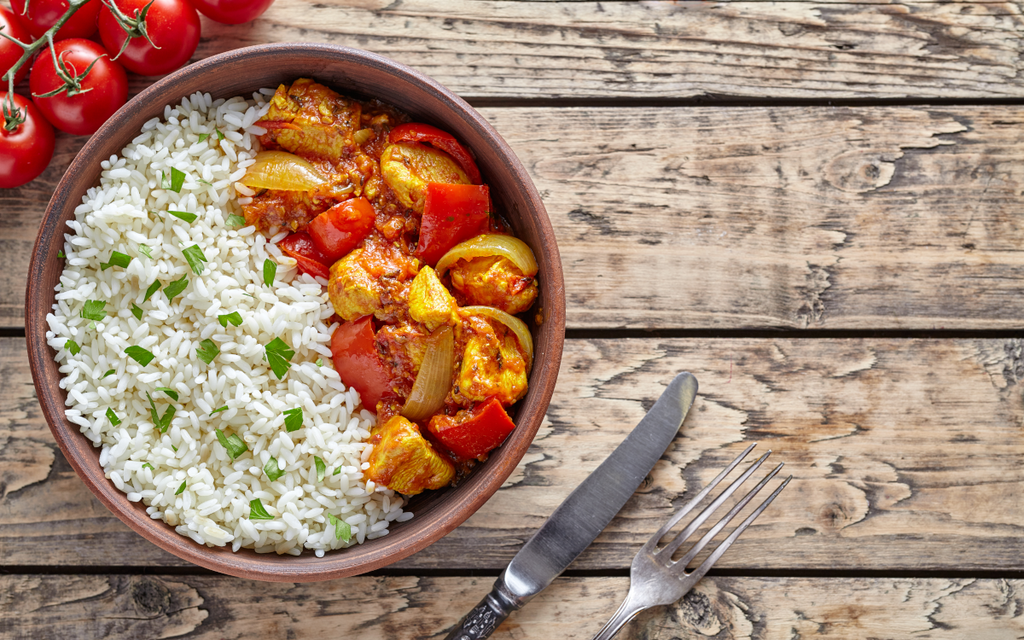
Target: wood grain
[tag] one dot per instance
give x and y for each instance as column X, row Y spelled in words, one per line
column 906, row 455
column 572, row 50
column 399, row 608
column 747, row 218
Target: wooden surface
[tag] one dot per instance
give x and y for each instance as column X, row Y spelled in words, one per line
column 815, row 207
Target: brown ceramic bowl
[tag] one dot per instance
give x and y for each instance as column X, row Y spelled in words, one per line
column 360, row 74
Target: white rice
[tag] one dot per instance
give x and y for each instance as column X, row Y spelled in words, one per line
column 128, row 209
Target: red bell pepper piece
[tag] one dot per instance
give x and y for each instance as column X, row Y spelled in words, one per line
column 419, row 132
column 356, row 360
column 310, row 259
column 342, row 227
column 452, row 213
column 470, row 434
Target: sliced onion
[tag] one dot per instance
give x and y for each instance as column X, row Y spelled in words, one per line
column 282, row 171
column 517, row 326
column 435, row 377
column 491, row 244
column 362, row 136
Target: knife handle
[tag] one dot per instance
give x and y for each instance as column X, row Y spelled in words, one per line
column 486, row 616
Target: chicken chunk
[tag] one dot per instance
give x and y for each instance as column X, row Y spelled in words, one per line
column 408, row 167
column 403, row 461
column 493, row 281
column 402, row 347
column 309, row 119
column 429, row 302
column 493, row 363
column 354, row 292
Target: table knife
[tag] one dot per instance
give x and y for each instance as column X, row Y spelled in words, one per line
column 583, row 515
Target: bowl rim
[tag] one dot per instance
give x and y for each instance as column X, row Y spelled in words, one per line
column 429, row 525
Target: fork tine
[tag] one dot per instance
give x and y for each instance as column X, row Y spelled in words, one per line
column 653, row 542
column 665, row 554
column 699, row 572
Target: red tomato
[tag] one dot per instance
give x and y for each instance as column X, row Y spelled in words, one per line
column 452, row 213
column 79, row 111
column 232, row 11
column 339, row 229
column 26, row 151
column 469, row 434
column 10, row 52
column 172, row 26
column 43, row 14
column 357, row 362
column 302, row 248
column 419, row 132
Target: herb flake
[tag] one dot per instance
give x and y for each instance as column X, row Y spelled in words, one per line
column 94, row 310
column 321, row 468
column 234, row 318
column 184, row 215
column 181, row 488
column 195, row 258
column 117, row 259
column 293, row 419
column 342, row 529
column 146, row 464
column 219, row 409
column 175, row 288
column 279, row 354
column 258, row 512
column 207, row 351
column 72, row 347
column 171, row 392
column 269, row 272
column 272, row 470
column 235, row 220
column 203, row 137
column 153, row 288
column 161, row 422
column 174, row 181
column 145, row 250
column 232, row 443
column 114, row 420
column 137, row 311
column 107, row 374
column 139, row 354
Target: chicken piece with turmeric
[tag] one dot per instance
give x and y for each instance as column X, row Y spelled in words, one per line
column 493, row 281
column 494, row 364
column 403, row 461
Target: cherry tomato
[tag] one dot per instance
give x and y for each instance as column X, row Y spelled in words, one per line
column 172, row 26
column 339, row 229
column 26, row 151
column 232, row 11
column 43, row 14
column 309, row 258
column 102, row 92
column 10, row 52
column 419, row 132
column 354, row 352
column 469, row 434
column 452, row 213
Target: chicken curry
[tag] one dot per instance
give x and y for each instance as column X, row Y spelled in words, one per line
column 424, row 277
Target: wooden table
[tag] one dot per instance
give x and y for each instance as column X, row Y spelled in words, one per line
column 816, row 207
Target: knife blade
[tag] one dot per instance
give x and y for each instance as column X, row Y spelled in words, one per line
column 583, row 515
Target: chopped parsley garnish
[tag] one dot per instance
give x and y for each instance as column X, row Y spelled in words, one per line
column 184, row 215
column 72, row 347
column 161, row 422
column 92, row 326
column 175, row 288
column 269, row 272
column 146, row 251
column 171, row 392
column 321, row 468
column 60, row 254
column 207, row 351
column 235, row 221
column 220, row 136
column 153, row 288
column 181, row 488
column 195, row 258
column 203, row 137
column 117, row 259
column 336, row 471
column 175, row 448
column 137, row 311
column 114, row 420
column 342, row 529
column 94, row 310
column 293, row 419
column 206, row 182
column 272, row 470
column 319, row 362
column 234, row 318
column 278, row 355
column 218, row 410
column 257, row 511
column 232, row 443
column 146, row 464
column 140, row 355
column 172, row 182
column 107, row 374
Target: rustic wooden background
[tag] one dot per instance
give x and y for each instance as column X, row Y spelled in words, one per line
column 813, row 206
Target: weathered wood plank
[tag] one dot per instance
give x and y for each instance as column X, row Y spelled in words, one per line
column 672, row 50
column 149, row 606
column 906, row 455
column 837, row 218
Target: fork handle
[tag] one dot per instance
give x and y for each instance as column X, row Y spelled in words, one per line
column 485, row 617
column 626, row 612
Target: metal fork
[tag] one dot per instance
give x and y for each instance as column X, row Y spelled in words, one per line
column 655, row 579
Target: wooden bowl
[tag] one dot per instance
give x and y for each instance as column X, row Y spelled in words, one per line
column 360, row 74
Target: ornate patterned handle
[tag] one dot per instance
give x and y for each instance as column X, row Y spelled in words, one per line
column 484, row 618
